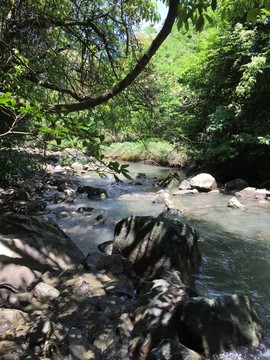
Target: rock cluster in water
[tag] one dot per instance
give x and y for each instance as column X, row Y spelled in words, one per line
column 131, row 301
column 134, row 303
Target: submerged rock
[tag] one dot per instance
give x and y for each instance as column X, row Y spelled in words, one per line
column 92, row 192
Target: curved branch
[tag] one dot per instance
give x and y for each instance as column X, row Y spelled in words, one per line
column 91, row 102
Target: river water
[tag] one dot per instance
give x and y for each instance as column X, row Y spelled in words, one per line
column 235, row 243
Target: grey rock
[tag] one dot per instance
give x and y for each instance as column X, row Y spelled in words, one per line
column 203, row 182
column 173, row 350
column 156, row 244
column 235, row 204
column 235, row 185
column 252, row 193
column 106, row 247
column 185, row 185
column 45, row 292
column 210, row 326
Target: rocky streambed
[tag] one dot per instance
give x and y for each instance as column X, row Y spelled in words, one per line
column 129, row 299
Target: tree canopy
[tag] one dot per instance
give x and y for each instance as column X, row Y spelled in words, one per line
column 70, row 68
column 87, row 52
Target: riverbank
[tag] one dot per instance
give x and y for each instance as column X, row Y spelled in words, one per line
column 153, row 152
column 98, row 291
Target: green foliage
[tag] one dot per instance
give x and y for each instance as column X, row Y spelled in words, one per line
column 15, row 164
column 228, row 106
column 157, row 152
column 208, row 87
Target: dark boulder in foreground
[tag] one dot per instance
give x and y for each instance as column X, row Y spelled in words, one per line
column 211, row 326
column 156, row 244
column 172, row 350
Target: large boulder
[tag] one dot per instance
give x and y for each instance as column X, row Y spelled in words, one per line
column 235, row 185
column 203, row 182
column 155, row 244
column 30, row 246
column 211, row 326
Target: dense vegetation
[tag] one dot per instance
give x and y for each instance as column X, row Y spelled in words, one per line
column 79, row 73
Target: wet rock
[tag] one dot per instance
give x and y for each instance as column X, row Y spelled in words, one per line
column 160, row 197
column 92, row 192
column 169, row 207
column 210, row 326
column 203, row 182
column 235, row 185
column 29, row 207
column 171, row 181
column 185, row 192
column 153, row 245
column 141, row 176
column 173, row 350
column 85, row 209
column 252, row 193
column 235, row 204
column 101, row 219
column 69, row 195
column 106, row 247
column 185, row 185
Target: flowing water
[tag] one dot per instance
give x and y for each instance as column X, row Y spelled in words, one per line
column 235, row 243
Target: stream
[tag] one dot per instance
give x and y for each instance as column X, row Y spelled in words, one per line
column 235, row 243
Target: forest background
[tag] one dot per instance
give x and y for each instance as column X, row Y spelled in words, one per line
column 201, row 102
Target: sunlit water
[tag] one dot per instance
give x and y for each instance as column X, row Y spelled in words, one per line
column 235, row 243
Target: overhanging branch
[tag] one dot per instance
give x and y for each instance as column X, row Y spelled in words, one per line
column 91, row 102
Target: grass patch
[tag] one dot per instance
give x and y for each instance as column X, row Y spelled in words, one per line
column 153, row 152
